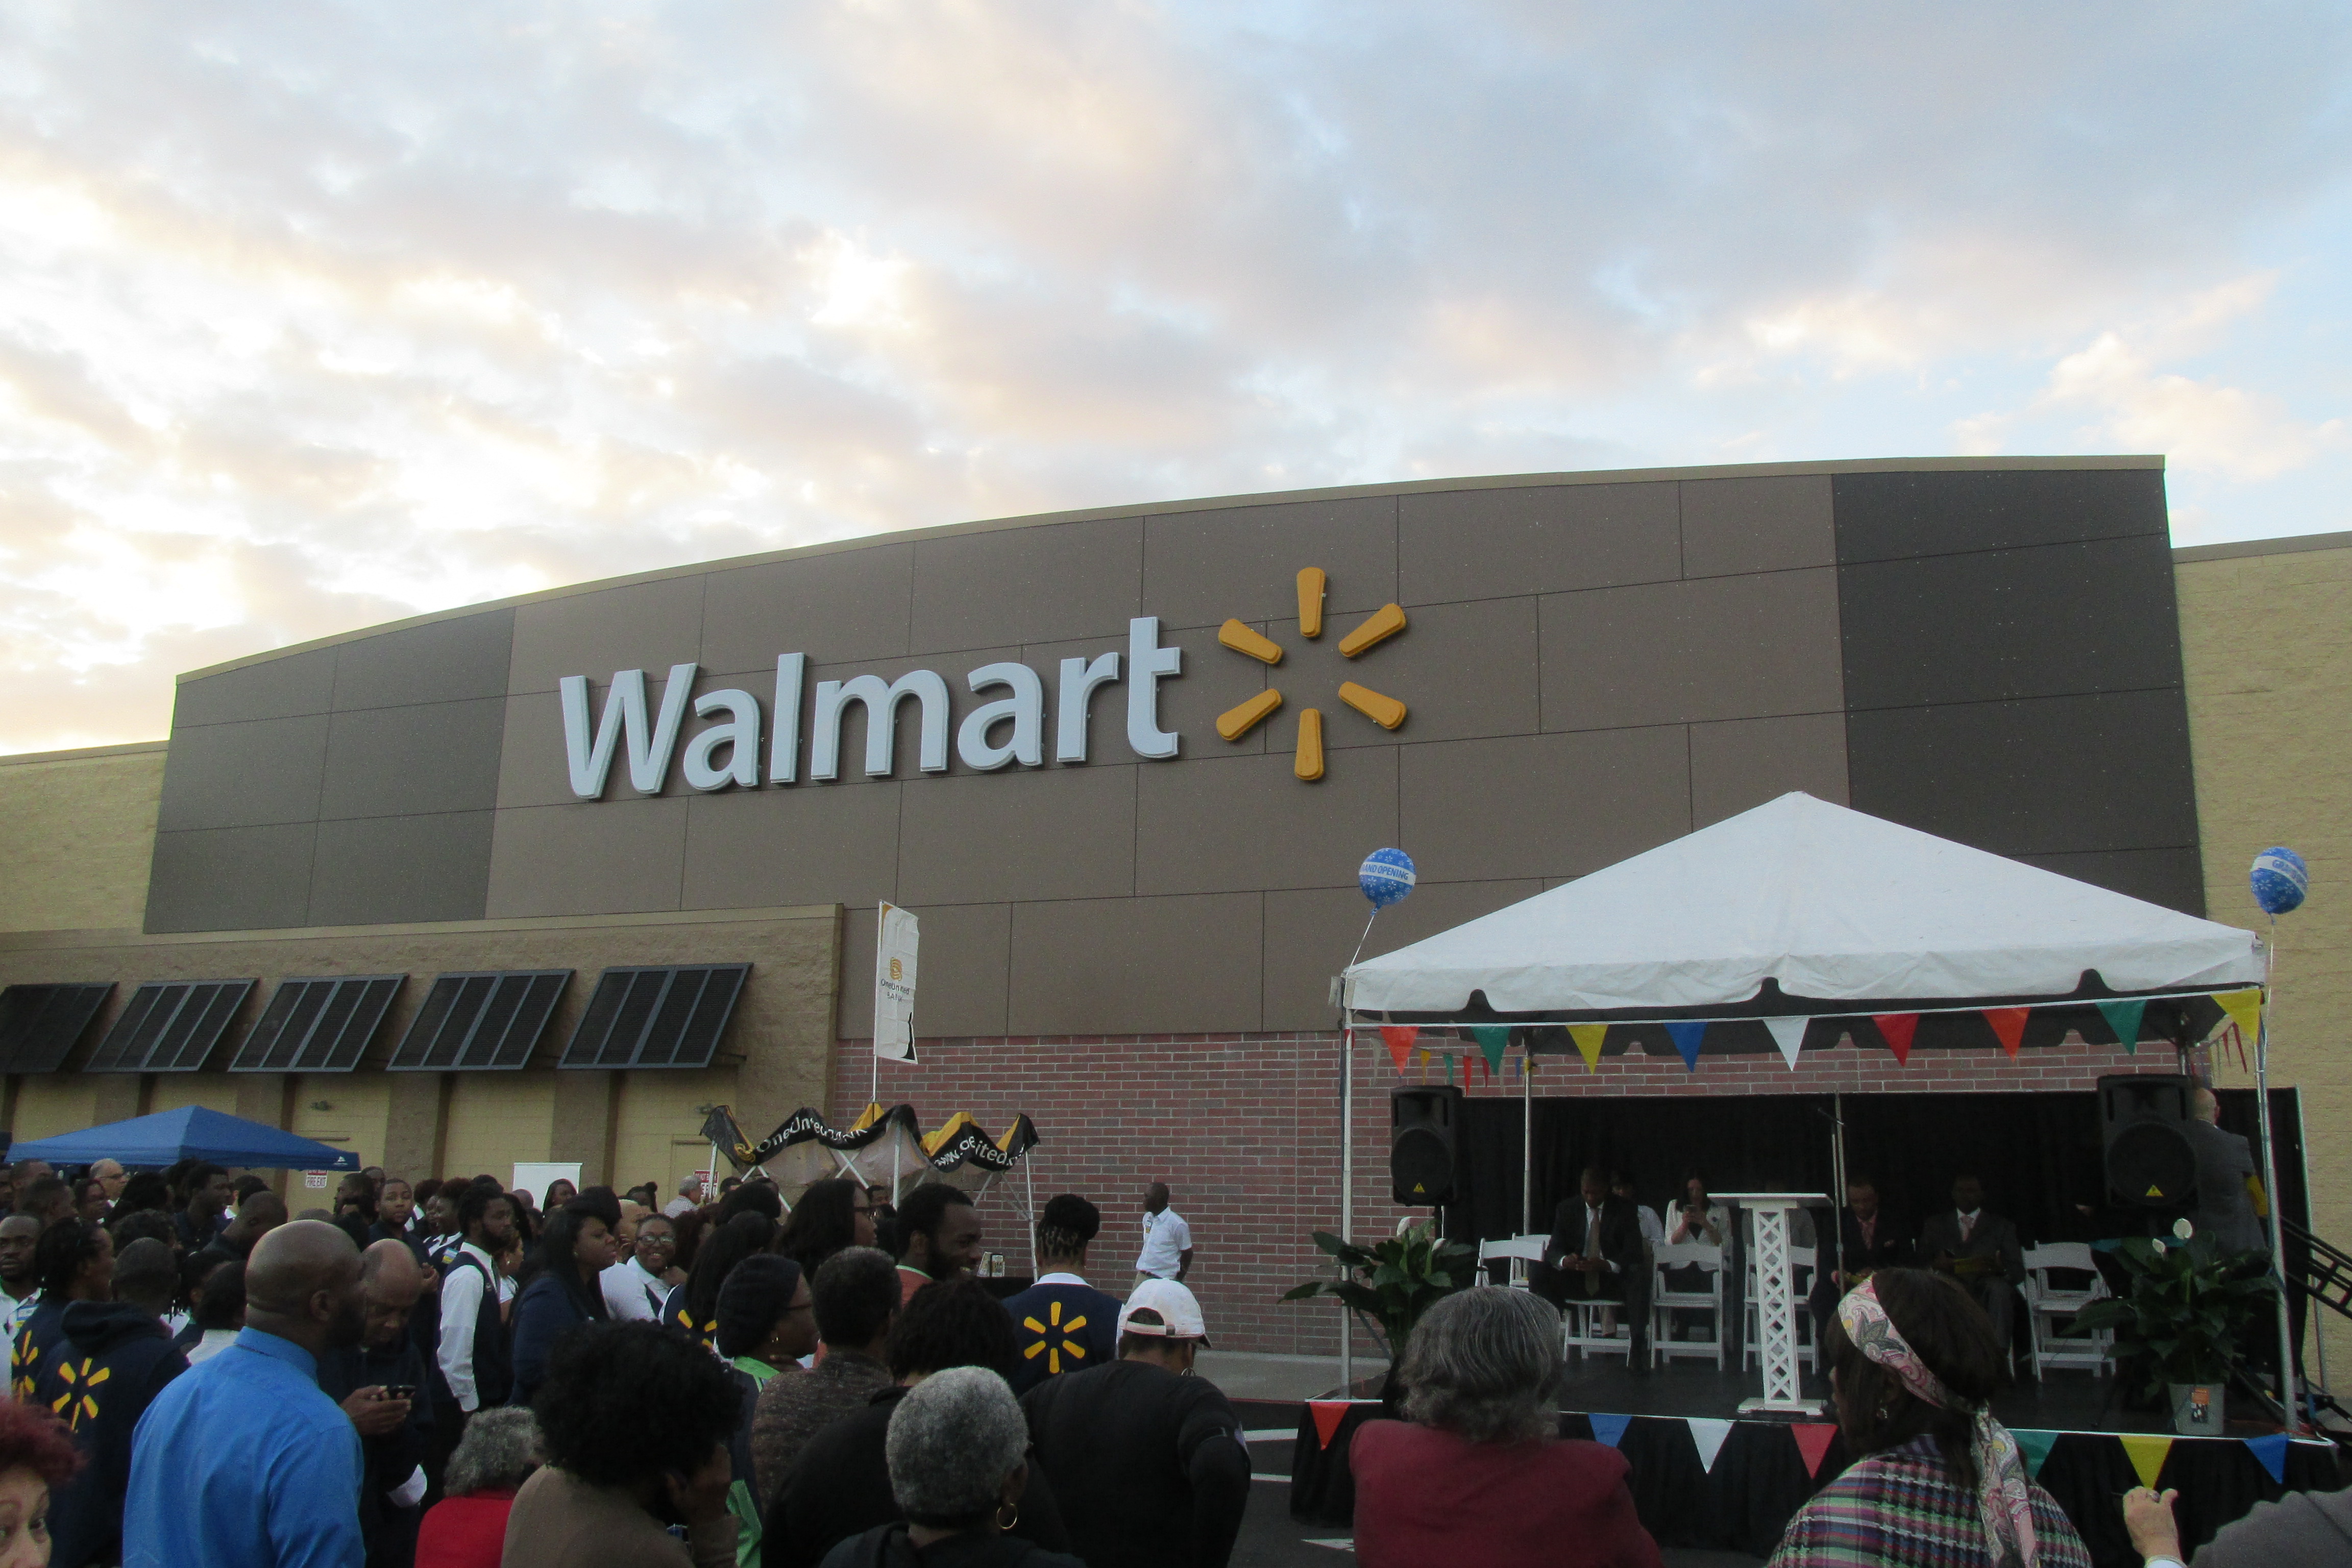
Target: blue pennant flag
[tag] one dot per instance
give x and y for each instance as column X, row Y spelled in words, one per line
column 1609, row 1429
column 2271, row 1452
column 1686, row 1037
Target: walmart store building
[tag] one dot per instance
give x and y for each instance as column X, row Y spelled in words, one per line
column 540, row 880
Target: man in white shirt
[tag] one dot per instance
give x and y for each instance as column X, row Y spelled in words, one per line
column 1654, row 1229
column 1167, row 1240
column 111, row 1176
column 20, row 1288
column 636, row 1287
column 475, row 1361
column 689, row 1199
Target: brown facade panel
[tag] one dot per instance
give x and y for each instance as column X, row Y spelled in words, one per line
column 1200, row 567
column 1547, row 806
column 1672, row 653
column 1311, row 933
column 638, row 625
column 403, row 762
column 1495, row 543
column 1067, row 833
column 1233, row 825
column 282, row 688
column 1097, row 966
column 1069, row 580
column 1744, row 763
column 442, row 661
column 1761, row 524
column 613, row 857
column 966, row 963
column 852, row 604
column 249, row 774
column 231, row 878
column 376, row 869
column 805, row 844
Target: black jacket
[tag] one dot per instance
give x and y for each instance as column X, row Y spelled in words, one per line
column 1152, row 1468
column 111, row 1361
column 387, row 1461
column 840, row 1487
column 1621, row 1233
column 1889, row 1247
column 544, row 1313
column 887, row 1546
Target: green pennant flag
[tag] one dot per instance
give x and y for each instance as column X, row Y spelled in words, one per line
column 1449, row 1068
column 2035, row 1445
column 1493, row 1039
column 2123, row 1017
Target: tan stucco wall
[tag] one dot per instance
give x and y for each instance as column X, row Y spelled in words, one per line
column 2266, row 643
column 77, row 836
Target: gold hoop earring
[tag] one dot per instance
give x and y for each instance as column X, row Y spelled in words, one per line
column 1004, row 1523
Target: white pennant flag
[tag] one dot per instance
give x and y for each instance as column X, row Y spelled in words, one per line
column 1789, row 1033
column 1708, row 1434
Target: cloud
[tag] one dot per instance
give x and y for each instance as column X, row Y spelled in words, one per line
column 316, row 318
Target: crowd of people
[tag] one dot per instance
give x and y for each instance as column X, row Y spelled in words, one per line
column 449, row 1375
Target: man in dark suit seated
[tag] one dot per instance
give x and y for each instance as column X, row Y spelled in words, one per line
column 1867, row 1239
column 1595, row 1254
column 1980, row 1249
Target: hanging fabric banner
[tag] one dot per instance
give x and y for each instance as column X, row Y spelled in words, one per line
column 1686, row 1037
column 1588, row 1038
column 1609, row 1429
column 2008, row 1027
column 1493, row 1039
column 2124, row 1017
column 1709, row 1432
column 1398, row 1038
column 2035, row 1445
column 1327, row 1413
column 1896, row 1029
column 1789, row 1033
column 2245, row 1010
column 2271, row 1452
column 1449, row 1070
column 2146, row 1452
column 1813, row 1442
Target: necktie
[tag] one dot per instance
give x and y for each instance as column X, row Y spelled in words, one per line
column 1592, row 1249
column 1967, row 1227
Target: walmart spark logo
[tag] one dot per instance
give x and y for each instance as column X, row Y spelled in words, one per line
column 1385, row 712
column 1055, row 1338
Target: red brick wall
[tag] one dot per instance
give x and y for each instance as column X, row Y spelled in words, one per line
column 1244, row 1130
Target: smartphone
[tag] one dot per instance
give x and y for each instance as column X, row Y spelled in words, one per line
column 400, row 1391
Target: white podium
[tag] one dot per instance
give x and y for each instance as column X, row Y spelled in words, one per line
column 1776, row 1309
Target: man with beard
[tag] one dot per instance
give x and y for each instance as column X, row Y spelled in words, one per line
column 243, row 1459
column 377, row 1383
column 20, row 1285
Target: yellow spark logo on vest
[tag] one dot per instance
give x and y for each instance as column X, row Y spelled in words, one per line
column 1386, row 712
column 80, row 1397
column 1071, row 1345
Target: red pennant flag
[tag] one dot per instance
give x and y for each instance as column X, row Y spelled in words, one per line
column 1897, row 1028
column 1813, row 1442
column 2009, row 1025
column 1327, row 1413
column 1400, row 1038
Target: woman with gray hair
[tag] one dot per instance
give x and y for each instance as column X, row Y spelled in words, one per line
column 1476, row 1474
column 958, row 1455
column 467, row 1529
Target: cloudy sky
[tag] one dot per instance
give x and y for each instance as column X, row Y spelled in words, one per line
column 315, row 316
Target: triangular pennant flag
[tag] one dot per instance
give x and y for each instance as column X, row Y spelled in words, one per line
column 2008, row 1026
column 1610, row 1429
column 2146, row 1452
column 2123, row 1017
column 2245, row 1010
column 1493, row 1039
column 1686, row 1037
column 1896, row 1029
column 1588, row 1038
column 1327, row 1413
column 2035, row 1445
column 1813, row 1442
column 1708, row 1434
column 2271, row 1452
column 1398, row 1038
column 1789, row 1033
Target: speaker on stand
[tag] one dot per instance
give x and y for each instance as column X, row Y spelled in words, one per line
column 2144, row 1141
column 1424, row 1145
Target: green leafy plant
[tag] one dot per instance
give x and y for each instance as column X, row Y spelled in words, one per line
column 1392, row 1283
column 2185, row 1313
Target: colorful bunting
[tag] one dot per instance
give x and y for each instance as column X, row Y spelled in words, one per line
column 2271, row 1452
column 2036, row 1446
column 2123, row 1017
column 1813, row 1442
column 2146, row 1452
column 2245, row 1010
column 1398, row 1038
column 1493, row 1039
column 1449, row 1070
column 1896, row 1029
column 2008, row 1027
column 1789, row 1033
column 1610, row 1429
column 1686, row 1037
column 1327, row 1413
column 1588, row 1038
column 1708, row 1434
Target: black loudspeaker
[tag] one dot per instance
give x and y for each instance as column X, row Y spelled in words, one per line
column 1423, row 1126
column 2144, row 1138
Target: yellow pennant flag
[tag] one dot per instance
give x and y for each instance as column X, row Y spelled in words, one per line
column 2245, row 1009
column 1588, row 1038
column 2146, row 1452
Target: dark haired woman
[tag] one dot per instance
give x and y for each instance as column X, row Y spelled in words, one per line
column 35, row 1457
column 218, row 1294
column 831, row 1215
column 74, row 1261
column 1913, row 1367
column 693, row 1308
column 574, row 1250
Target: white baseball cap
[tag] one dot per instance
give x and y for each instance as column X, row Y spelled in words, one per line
column 1174, row 1313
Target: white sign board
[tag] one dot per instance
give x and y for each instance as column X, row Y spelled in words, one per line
column 893, row 985
column 532, row 1176
column 314, row 1179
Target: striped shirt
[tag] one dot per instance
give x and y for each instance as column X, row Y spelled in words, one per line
column 1902, row 1509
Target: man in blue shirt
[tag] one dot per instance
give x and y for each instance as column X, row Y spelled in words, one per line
column 243, row 1461
column 1062, row 1323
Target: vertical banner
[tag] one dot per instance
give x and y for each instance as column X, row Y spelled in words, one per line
column 896, row 937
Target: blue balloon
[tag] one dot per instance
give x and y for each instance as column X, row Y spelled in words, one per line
column 1386, row 876
column 2280, row 879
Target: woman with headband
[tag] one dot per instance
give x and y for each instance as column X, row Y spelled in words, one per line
column 1913, row 1367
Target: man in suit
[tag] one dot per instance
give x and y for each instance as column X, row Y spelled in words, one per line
column 1595, row 1254
column 2225, row 1164
column 1867, row 1240
column 1981, row 1249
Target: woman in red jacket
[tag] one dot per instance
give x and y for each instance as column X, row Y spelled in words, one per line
column 1476, row 1475
column 467, row 1529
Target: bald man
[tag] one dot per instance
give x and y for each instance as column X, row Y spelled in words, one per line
column 243, row 1459
column 379, row 1383
column 110, row 1175
column 2225, row 1164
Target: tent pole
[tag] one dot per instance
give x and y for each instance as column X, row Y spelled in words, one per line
column 2270, row 1178
column 1347, row 1192
column 1029, row 1185
column 1527, row 1142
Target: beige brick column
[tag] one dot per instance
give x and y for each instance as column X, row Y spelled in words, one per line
column 583, row 1123
column 120, row 1097
column 416, row 1129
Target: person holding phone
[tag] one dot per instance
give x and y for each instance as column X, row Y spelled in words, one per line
column 376, row 1382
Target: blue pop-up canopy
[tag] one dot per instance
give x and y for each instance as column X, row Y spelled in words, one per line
column 190, row 1132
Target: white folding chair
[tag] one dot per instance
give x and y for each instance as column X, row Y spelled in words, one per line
column 1800, row 1284
column 1664, row 1301
column 1579, row 1326
column 1518, row 1250
column 2048, row 1299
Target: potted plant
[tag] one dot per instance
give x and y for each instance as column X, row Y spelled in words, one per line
column 1388, row 1285
column 2180, row 1324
